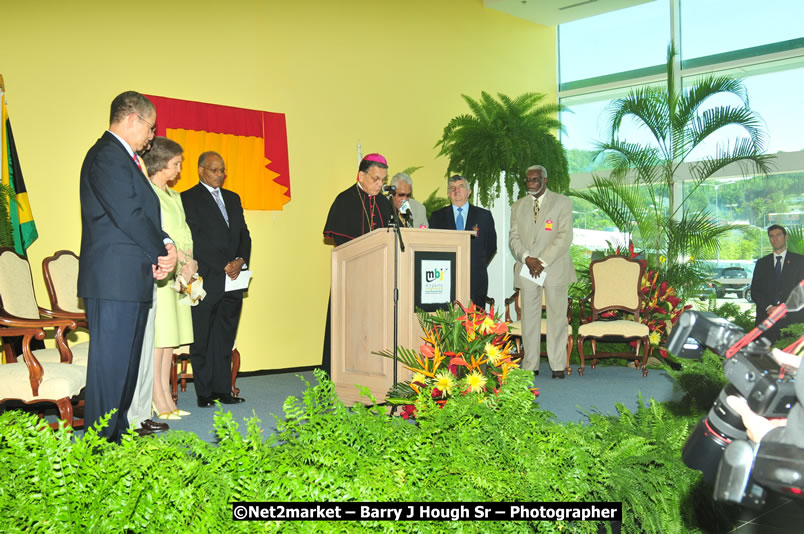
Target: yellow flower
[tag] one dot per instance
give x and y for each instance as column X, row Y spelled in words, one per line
column 420, row 378
column 445, row 382
column 493, row 353
column 487, row 326
column 476, row 382
column 470, row 335
column 662, row 259
column 654, row 337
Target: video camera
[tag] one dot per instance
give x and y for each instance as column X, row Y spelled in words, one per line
column 718, row 446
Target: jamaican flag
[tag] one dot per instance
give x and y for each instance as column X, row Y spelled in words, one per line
column 23, row 228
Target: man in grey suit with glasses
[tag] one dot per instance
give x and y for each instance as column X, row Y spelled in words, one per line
column 540, row 239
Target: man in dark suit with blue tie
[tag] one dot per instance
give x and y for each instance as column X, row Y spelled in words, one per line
column 460, row 215
column 123, row 248
column 775, row 276
column 222, row 247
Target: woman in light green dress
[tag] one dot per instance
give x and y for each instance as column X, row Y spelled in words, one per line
column 173, row 321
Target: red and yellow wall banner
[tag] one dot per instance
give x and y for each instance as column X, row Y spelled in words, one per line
column 253, row 144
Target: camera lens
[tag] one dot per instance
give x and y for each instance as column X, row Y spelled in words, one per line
column 704, row 448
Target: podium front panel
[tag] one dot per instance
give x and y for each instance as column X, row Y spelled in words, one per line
column 362, row 319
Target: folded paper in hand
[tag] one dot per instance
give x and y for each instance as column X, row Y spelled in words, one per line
column 525, row 273
column 241, row 282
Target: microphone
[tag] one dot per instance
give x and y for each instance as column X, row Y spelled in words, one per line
column 389, row 189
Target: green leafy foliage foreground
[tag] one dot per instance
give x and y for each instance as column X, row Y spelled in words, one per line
column 323, row 451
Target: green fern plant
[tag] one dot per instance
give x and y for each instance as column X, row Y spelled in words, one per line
column 55, row 481
column 506, row 135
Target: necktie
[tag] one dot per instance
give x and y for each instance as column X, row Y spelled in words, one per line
column 219, row 201
column 137, row 161
column 535, row 208
column 778, row 279
column 459, row 220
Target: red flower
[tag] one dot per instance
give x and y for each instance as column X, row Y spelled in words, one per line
column 427, row 351
column 500, row 328
column 435, row 393
column 457, row 360
column 408, row 411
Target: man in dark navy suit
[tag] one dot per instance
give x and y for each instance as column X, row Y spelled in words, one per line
column 461, row 215
column 123, row 248
column 775, row 276
column 222, row 247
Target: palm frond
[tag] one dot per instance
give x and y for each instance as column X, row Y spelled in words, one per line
column 742, row 154
column 647, row 106
column 713, row 120
column 702, row 90
column 695, row 234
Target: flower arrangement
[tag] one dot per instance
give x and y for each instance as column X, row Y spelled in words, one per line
column 661, row 309
column 466, row 351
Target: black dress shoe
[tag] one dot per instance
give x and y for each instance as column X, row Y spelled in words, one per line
column 141, row 432
column 230, row 399
column 558, row 374
column 205, row 402
column 536, row 372
column 152, row 426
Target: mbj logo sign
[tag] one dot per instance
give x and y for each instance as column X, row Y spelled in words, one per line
column 436, row 274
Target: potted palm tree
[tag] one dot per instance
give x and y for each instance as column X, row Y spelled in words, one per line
column 639, row 196
column 504, row 136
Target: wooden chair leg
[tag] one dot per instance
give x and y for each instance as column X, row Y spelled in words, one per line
column 646, row 351
column 184, row 374
column 235, row 370
column 581, row 355
column 65, row 412
column 174, row 379
column 569, row 354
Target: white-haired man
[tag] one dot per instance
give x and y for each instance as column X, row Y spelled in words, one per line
column 540, row 237
column 410, row 210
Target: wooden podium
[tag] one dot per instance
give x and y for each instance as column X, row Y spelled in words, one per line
column 362, row 314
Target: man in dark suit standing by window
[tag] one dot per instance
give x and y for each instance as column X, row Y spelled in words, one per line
column 775, row 276
column 460, row 215
column 222, row 247
column 123, row 248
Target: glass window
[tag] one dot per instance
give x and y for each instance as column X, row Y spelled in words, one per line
column 623, row 40
column 717, row 26
column 586, row 121
column 772, row 96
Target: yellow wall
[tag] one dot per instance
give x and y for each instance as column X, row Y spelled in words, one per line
column 388, row 73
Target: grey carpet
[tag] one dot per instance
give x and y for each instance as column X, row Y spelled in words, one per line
column 599, row 390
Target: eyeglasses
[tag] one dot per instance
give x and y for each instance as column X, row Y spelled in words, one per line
column 150, row 125
column 222, row 170
column 403, row 195
column 534, row 179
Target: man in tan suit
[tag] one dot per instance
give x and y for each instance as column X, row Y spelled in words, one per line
column 540, row 238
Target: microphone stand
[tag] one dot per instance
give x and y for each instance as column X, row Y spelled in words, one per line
column 393, row 223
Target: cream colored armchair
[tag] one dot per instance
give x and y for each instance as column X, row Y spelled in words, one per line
column 61, row 279
column 33, row 377
column 19, row 308
column 615, row 289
